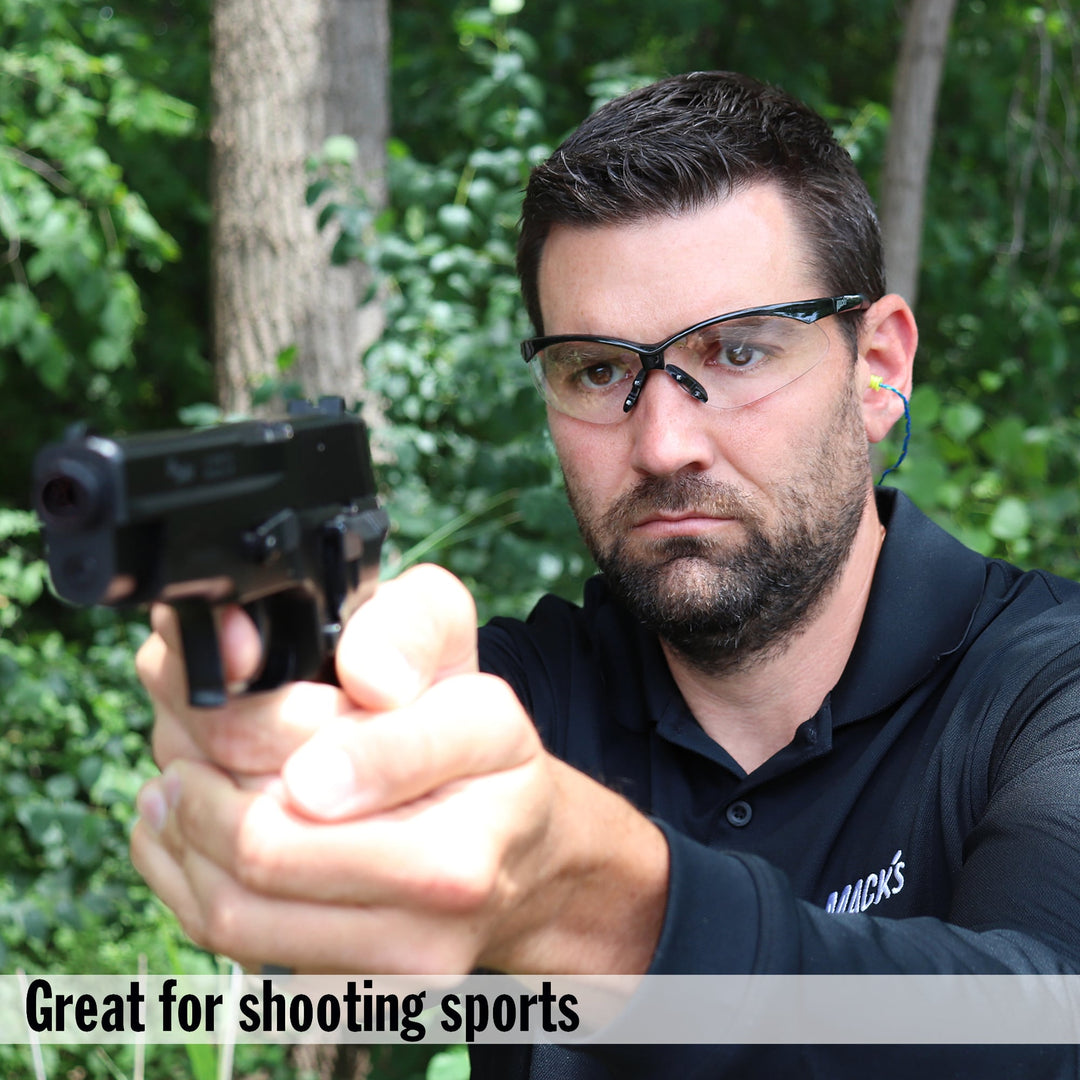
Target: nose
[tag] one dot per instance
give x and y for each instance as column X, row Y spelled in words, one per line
column 670, row 429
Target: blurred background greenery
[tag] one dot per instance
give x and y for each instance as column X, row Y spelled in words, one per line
column 105, row 299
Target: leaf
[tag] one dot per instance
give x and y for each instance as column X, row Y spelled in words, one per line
column 61, row 786
column 455, row 220
column 340, row 150
column 201, row 414
column 316, row 189
column 327, row 214
column 451, row 1064
column 962, row 420
column 1010, row 520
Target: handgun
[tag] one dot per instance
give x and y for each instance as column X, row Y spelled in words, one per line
column 280, row 516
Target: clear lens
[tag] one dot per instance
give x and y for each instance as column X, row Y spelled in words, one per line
column 741, row 362
column 586, row 379
column 737, row 363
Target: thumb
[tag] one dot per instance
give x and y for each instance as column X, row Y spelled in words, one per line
column 416, row 630
column 465, row 726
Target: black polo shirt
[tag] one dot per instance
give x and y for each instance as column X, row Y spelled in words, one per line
column 926, row 819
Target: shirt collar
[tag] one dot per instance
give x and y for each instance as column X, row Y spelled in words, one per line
column 926, row 588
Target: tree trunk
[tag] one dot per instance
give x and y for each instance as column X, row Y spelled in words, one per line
column 911, row 137
column 287, row 74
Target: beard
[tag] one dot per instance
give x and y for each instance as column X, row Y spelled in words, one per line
column 725, row 604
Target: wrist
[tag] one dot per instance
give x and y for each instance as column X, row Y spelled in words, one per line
column 596, row 900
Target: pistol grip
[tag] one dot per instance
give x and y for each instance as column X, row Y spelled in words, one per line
column 202, row 656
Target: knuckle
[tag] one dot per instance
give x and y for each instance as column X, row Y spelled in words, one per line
column 494, row 699
column 464, row 882
column 257, row 861
column 218, row 922
column 227, row 746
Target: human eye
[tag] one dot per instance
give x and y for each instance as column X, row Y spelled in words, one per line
column 738, row 348
column 584, row 368
column 741, row 354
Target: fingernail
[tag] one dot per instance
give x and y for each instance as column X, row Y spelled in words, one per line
column 321, row 780
column 152, row 804
column 158, row 797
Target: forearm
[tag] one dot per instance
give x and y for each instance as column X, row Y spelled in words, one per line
column 736, row 914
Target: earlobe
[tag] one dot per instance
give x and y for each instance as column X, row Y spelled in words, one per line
column 876, row 383
column 886, row 353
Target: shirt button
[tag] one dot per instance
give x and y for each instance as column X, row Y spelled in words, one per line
column 739, row 814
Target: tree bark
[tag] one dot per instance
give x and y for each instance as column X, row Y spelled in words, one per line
column 286, row 74
column 911, row 137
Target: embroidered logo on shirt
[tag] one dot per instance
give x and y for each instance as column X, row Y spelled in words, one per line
column 869, row 890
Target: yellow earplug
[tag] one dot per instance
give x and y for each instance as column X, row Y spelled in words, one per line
column 875, row 382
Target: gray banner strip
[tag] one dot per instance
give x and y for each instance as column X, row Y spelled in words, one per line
column 864, row 1009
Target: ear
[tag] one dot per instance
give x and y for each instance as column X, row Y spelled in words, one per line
column 886, row 350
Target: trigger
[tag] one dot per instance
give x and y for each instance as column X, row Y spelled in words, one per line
column 202, row 657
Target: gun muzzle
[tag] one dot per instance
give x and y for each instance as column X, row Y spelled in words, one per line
column 75, row 496
column 70, row 498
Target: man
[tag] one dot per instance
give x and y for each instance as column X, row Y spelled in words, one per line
column 842, row 742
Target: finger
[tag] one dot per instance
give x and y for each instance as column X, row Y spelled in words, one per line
column 162, row 872
column 252, row 735
column 417, row 629
column 163, row 681
column 445, row 855
column 159, row 664
column 222, row 916
column 237, row 637
column 464, row 726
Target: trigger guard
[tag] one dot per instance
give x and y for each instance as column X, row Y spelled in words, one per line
column 290, row 632
column 256, row 611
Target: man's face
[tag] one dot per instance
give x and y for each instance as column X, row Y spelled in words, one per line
column 721, row 530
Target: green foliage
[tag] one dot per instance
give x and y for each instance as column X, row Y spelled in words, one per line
column 470, row 479
column 80, row 103
column 73, row 752
column 996, row 425
column 71, row 758
column 450, row 1064
column 86, row 110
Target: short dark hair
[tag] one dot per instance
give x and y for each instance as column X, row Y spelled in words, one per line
column 688, row 142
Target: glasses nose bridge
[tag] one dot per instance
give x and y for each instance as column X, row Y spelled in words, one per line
column 652, row 357
column 653, row 360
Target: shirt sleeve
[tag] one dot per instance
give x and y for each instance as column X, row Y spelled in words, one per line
column 1015, row 905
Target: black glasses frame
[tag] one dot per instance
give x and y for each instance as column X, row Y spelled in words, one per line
column 652, row 356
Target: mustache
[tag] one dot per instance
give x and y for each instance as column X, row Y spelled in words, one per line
column 681, row 493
